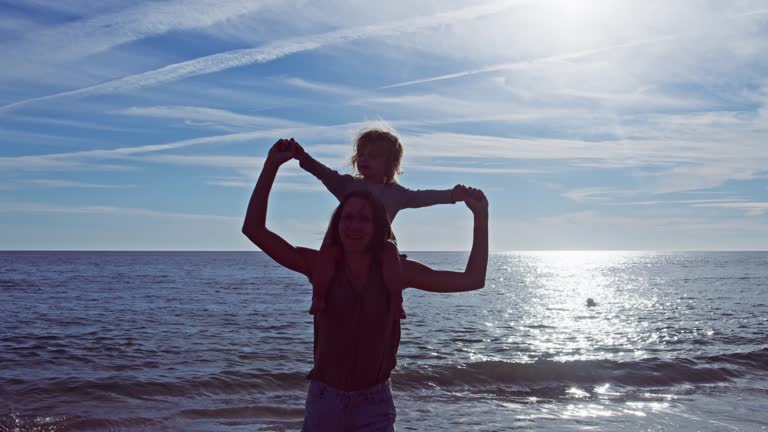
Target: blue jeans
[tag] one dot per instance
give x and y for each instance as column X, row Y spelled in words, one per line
column 330, row 410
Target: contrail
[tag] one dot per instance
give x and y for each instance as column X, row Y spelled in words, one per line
column 243, row 57
column 561, row 57
column 754, row 12
column 100, row 33
column 56, row 159
column 526, row 63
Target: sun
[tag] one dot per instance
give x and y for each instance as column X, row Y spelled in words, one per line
column 576, row 22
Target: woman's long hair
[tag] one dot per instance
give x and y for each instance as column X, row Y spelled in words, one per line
column 382, row 230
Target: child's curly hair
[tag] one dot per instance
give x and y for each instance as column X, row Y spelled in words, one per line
column 385, row 138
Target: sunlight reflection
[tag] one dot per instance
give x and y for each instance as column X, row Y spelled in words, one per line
column 648, row 406
column 560, row 320
column 605, row 390
column 587, row 410
column 577, row 393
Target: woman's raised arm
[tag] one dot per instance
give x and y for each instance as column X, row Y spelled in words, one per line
column 255, row 227
column 420, row 276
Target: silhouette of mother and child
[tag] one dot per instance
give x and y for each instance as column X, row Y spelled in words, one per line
column 358, row 276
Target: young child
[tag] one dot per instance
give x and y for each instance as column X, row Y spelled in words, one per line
column 376, row 158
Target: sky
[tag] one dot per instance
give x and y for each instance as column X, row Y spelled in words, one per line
column 590, row 125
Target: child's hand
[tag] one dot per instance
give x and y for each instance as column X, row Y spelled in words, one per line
column 459, row 193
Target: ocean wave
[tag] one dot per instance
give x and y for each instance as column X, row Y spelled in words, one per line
column 9, row 283
column 649, row 372
column 243, row 412
column 34, row 423
column 117, row 388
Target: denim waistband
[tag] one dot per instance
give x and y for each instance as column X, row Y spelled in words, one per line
column 371, row 393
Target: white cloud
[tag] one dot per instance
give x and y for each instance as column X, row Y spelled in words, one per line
column 627, row 152
column 75, row 184
column 589, row 95
column 271, row 51
column 431, row 109
column 594, row 194
column 48, row 163
column 710, row 174
column 224, row 161
column 280, row 186
column 667, row 202
column 335, row 89
column 648, row 231
column 77, row 7
column 683, row 165
column 475, row 170
column 525, row 64
column 62, row 122
column 553, row 98
column 212, row 117
column 15, row 25
column 750, row 208
column 94, row 34
column 77, row 159
column 27, row 207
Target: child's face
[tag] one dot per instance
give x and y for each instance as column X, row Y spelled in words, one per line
column 373, row 161
column 356, row 225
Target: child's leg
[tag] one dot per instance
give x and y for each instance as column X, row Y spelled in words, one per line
column 393, row 279
column 322, row 276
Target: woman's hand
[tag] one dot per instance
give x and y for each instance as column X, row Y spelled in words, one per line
column 298, row 150
column 280, row 153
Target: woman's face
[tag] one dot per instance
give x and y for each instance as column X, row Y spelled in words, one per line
column 356, row 225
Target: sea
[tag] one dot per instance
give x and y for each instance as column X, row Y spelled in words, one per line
column 222, row 341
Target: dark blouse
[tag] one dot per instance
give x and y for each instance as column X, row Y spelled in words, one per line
column 356, row 339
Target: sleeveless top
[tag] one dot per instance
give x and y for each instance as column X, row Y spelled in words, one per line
column 356, row 340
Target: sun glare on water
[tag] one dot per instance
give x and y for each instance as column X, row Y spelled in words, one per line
column 563, row 323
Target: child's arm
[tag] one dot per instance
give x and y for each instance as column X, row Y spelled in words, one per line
column 426, row 198
column 336, row 183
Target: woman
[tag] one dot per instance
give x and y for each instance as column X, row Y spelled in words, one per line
column 356, row 338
